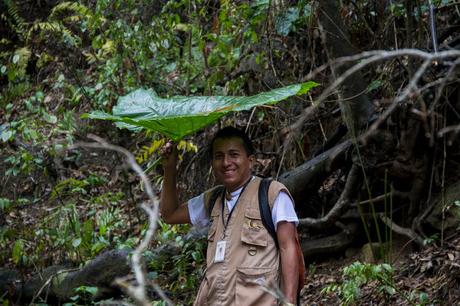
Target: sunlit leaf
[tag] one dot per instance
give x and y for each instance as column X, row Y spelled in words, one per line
column 18, row 251
column 284, row 21
column 179, row 116
column 76, row 242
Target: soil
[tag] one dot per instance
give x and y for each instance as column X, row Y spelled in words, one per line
column 427, row 277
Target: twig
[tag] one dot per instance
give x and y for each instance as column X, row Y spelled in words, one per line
column 401, row 230
column 48, row 281
column 382, row 197
column 340, row 205
column 448, row 129
column 365, row 59
column 406, row 92
column 137, row 291
column 434, row 36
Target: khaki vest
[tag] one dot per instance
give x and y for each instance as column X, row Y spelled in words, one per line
column 251, row 256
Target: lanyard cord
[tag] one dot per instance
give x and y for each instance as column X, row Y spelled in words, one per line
column 233, row 208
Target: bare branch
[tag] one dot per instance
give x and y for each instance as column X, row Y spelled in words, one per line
column 405, row 93
column 342, row 203
column 136, row 291
column 365, row 59
column 401, row 230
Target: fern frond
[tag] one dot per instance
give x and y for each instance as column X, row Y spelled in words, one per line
column 24, row 56
column 18, row 24
column 54, row 27
column 90, row 58
column 5, row 42
column 108, row 48
column 75, row 7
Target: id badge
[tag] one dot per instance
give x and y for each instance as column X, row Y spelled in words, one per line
column 220, row 251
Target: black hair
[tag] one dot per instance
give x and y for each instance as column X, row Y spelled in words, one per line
column 232, row 132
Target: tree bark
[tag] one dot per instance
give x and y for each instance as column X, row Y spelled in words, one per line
column 311, row 174
column 355, row 104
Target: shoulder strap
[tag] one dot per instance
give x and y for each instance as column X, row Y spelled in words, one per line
column 211, row 199
column 265, row 210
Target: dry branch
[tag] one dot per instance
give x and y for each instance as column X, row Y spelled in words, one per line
column 342, row 203
column 136, row 291
column 312, row 173
column 365, row 59
column 401, row 230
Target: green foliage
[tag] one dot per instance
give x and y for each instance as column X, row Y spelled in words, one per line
column 72, row 185
column 18, row 255
column 431, row 239
column 358, row 274
column 53, row 28
column 292, row 18
column 181, row 273
column 15, row 21
column 5, row 204
column 77, row 233
column 179, row 116
column 84, row 294
column 80, row 238
column 23, row 162
column 379, row 276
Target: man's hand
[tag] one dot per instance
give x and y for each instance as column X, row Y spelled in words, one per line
column 170, row 209
column 169, row 156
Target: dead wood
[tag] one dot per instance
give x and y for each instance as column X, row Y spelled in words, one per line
column 330, row 244
column 353, row 181
column 311, row 174
column 59, row 283
column 402, row 231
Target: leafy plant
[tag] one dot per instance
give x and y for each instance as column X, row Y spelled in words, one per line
column 181, row 273
column 18, row 255
column 179, row 116
column 358, row 274
column 84, row 294
column 5, row 204
column 23, row 162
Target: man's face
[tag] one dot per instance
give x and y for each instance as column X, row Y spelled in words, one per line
column 230, row 162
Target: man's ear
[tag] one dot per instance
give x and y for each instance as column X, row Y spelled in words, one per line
column 252, row 160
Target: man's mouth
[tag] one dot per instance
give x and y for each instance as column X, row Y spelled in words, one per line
column 228, row 172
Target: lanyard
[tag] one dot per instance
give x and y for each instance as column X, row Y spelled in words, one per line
column 233, row 208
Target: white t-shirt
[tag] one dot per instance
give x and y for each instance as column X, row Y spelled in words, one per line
column 283, row 209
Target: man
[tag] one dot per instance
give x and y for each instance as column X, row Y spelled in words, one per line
column 241, row 257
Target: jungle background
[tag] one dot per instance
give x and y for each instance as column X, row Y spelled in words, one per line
column 371, row 155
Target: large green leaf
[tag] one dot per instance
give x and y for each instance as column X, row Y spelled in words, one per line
column 179, row 116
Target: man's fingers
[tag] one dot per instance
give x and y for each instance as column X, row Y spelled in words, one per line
column 168, row 150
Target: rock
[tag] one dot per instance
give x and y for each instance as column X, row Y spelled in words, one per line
column 451, row 212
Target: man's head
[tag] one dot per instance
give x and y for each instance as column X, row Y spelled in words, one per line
column 232, row 156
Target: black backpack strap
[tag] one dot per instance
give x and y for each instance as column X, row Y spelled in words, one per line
column 210, row 201
column 265, row 209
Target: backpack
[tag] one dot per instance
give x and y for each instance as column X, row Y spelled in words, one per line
column 267, row 221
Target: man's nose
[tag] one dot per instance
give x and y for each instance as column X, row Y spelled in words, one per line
column 226, row 160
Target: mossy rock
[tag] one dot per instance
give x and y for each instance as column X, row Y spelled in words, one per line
column 446, row 204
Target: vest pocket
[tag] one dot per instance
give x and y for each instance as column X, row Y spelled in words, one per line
column 249, row 282
column 253, row 232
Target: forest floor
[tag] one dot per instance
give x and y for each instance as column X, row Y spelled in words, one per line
column 426, row 277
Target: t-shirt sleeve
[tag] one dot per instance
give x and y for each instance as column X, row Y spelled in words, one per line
column 197, row 211
column 283, row 209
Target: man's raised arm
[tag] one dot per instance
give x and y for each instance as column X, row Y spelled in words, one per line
column 171, row 211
